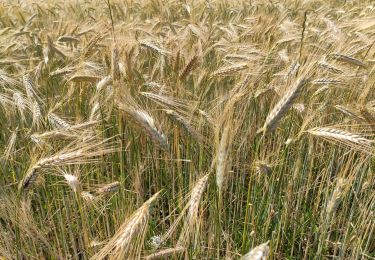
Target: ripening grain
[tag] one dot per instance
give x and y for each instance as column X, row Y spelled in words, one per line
column 205, row 129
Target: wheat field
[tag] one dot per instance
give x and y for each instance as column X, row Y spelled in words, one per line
column 181, row 129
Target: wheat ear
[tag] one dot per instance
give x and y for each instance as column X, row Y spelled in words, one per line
column 284, row 104
column 165, row 253
column 145, row 122
column 337, row 134
column 193, row 206
column 79, row 154
column 341, row 136
column 189, row 67
column 258, row 253
column 109, row 188
column 120, row 246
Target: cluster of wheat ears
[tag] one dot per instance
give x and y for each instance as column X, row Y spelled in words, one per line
column 205, row 129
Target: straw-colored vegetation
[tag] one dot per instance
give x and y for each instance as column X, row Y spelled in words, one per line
column 207, row 129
